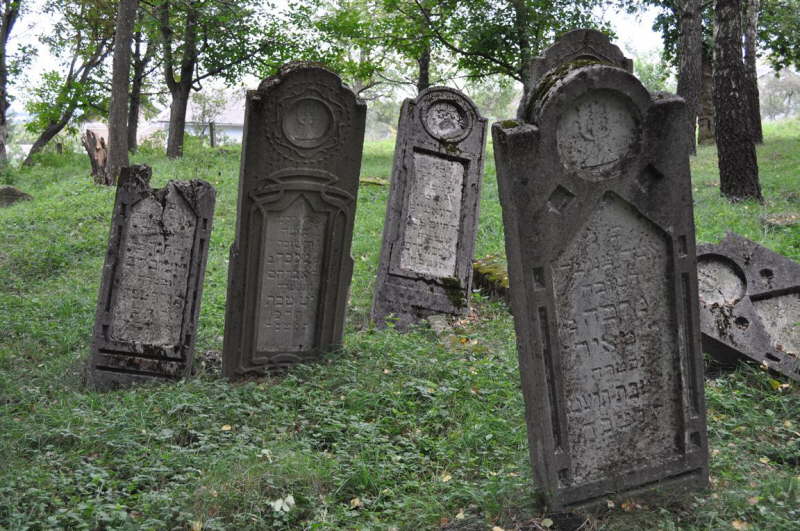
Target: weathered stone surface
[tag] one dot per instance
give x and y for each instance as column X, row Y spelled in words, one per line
column 750, row 304
column 432, row 212
column 290, row 265
column 597, row 209
column 10, row 195
column 575, row 46
column 490, row 275
column 152, row 282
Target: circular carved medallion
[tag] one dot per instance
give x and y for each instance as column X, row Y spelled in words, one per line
column 595, row 133
column 307, row 123
column 720, row 281
column 445, row 121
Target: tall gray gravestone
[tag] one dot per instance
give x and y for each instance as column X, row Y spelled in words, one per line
column 750, row 304
column 152, row 281
column 597, row 208
column 290, row 264
column 432, row 212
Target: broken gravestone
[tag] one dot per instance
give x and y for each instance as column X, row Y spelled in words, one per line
column 432, row 212
column 10, row 195
column 750, row 304
column 290, row 265
column 597, row 208
column 152, row 281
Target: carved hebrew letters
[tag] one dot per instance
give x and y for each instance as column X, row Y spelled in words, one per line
column 431, row 216
column 152, row 280
column 597, row 211
column 617, row 353
column 294, row 245
column 290, row 265
column 434, row 214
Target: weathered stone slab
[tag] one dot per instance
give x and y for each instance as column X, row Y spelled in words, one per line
column 580, row 45
column 10, row 195
column 152, row 282
column 490, row 275
column 432, row 212
column 597, row 209
column 290, row 265
column 750, row 304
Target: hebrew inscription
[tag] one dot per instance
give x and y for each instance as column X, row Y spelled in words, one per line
column 153, row 272
column 596, row 132
column 434, row 214
column 614, row 300
column 294, row 245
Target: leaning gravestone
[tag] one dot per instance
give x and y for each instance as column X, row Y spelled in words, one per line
column 152, row 281
column 290, row 264
column 750, row 304
column 432, row 213
column 597, row 208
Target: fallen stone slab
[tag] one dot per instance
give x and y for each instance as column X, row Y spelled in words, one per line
column 749, row 304
column 490, row 275
column 10, row 195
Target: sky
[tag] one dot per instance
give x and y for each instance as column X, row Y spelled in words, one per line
column 635, row 37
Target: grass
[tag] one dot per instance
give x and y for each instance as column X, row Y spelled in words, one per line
column 394, row 431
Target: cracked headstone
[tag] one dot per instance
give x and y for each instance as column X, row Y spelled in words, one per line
column 432, row 211
column 750, row 304
column 597, row 209
column 290, row 264
column 152, row 281
column 10, row 195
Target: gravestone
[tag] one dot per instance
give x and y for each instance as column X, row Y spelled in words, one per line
column 290, row 263
column 597, row 208
column 578, row 45
column 750, row 304
column 10, row 195
column 432, row 212
column 152, row 282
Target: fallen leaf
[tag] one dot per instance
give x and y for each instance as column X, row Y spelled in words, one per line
column 446, row 477
column 460, row 515
column 386, row 371
column 197, row 525
column 754, row 500
column 764, row 460
column 355, row 503
column 498, row 528
column 547, row 523
column 227, row 427
column 738, row 524
column 775, row 384
column 610, row 504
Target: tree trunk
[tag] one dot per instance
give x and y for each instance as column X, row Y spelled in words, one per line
column 9, row 18
column 424, row 62
column 118, row 107
column 690, row 45
column 140, row 64
column 705, row 115
column 177, row 119
column 751, row 74
column 46, row 136
column 98, row 157
column 738, row 169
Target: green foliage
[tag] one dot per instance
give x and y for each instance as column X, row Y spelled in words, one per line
column 395, row 430
column 779, row 26
column 654, row 72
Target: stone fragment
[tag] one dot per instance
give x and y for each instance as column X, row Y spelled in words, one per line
column 10, row 195
column 597, row 209
column 750, row 304
column 490, row 275
column 290, row 264
column 152, row 282
column 432, row 212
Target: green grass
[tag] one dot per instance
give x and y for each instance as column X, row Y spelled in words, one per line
column 396, row 430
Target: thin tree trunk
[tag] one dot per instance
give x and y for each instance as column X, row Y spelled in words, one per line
column 750, row 44
column 177, row 119
column 705, row 115
column 738, row 168
column 690, row 42
column 46, row 136
column 9, row 18
column 120, row 81
column 140, row 64
column 424, row 62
